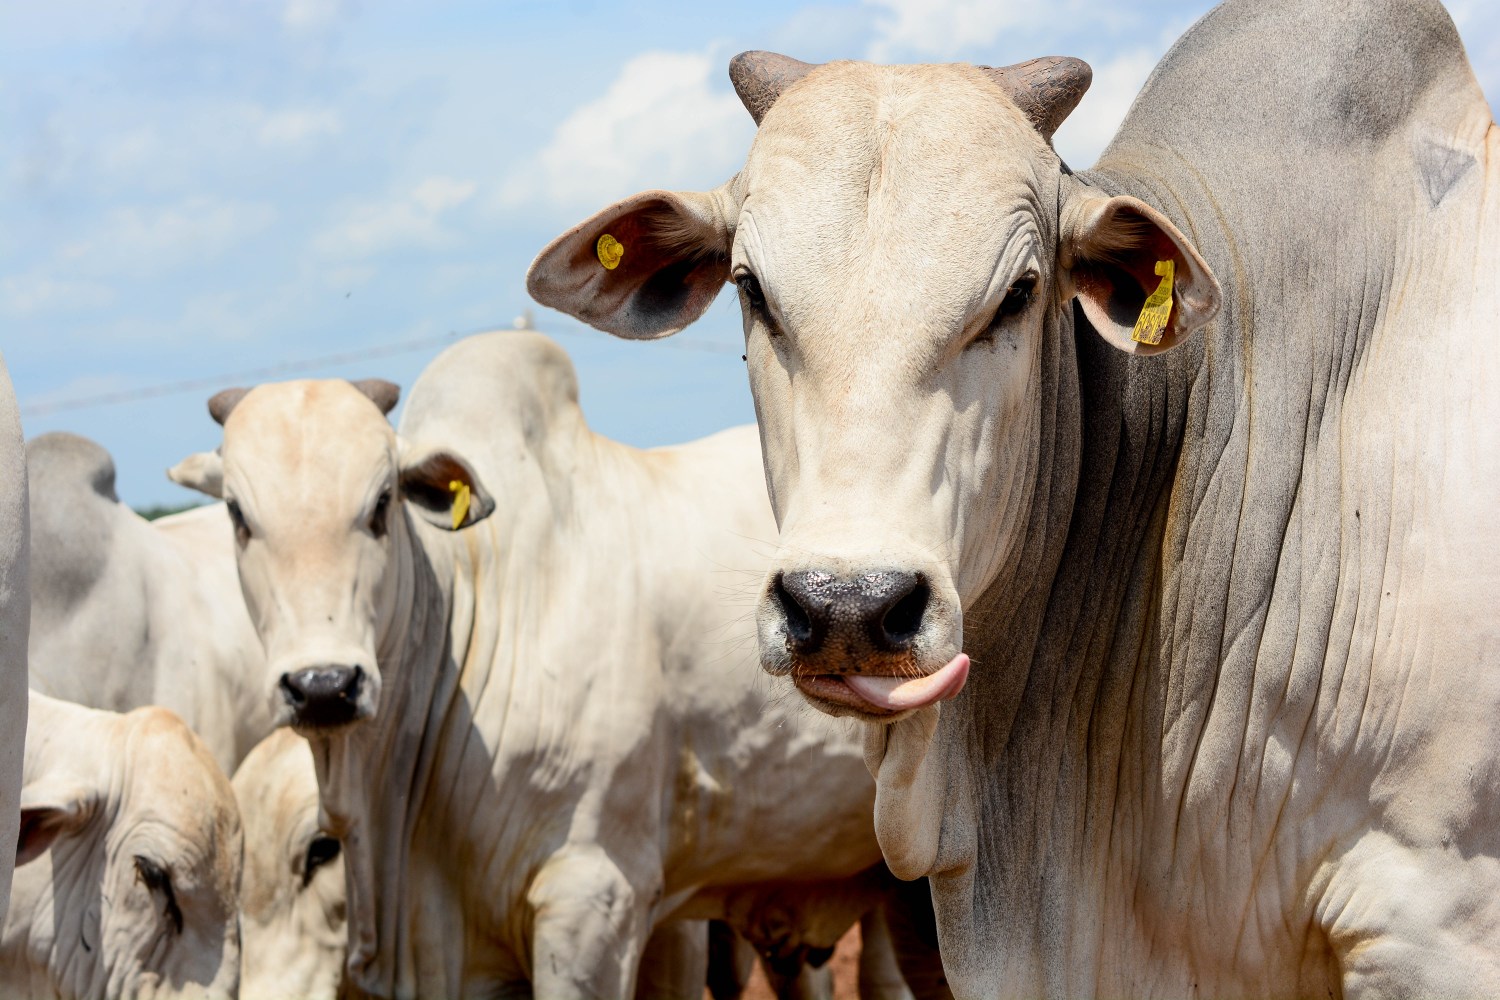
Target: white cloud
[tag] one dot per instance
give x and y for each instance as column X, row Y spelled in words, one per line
column 139, row 240
column 658, row 124
column 310, row 15
column 1097, row 118
column 38, row 292
column 413, row 219
column 295, row 125
column 943, row 28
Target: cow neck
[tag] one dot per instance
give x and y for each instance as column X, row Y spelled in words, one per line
column 373, row 780
column 480, row 701
column 1045, row 742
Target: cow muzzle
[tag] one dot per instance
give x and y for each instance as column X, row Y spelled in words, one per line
column 873, row 643
column 325, row 697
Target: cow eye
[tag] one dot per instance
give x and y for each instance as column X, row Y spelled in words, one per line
column 156, row 878
column 749, row 286
column 379, row 514
column 322, row 850
column 1017, row 297
column 237, row 517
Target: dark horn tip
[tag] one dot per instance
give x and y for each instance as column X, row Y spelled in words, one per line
column 759, row 77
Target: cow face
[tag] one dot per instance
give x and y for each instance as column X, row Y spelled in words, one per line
column 904, row 241
column 294, row 917
column 319, row 490
column 128, row 863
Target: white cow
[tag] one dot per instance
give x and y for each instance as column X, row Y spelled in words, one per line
column 15, row 601
column 537, row 737
column 128, row 863
column 292, row 919
column 1184, row 470
column 126, row 612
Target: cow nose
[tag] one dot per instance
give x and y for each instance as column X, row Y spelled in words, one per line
column 323, row 696
column 882, row 608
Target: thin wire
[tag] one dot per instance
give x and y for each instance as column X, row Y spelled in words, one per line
column 121, row 396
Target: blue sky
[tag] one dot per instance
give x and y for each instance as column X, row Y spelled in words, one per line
column 196, row 188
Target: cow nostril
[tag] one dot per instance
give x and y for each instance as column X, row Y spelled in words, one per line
column 294, row 695
column 351, row 689
column 798, row 624
column 904, row 620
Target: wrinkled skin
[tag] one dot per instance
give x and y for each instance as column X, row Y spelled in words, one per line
column 579, row 647
column 292, row 921
column 1228, row 729
column 15, row 602
column 127, row 613
column 128, row 873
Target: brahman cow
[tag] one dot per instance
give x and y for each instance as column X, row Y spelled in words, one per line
column 535, row 735
column 1230, row 727
column 292, row 917
column 15, row 615
column 128, row 863
column 127, row 613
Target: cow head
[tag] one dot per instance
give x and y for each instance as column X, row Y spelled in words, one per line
column 904, row 241
column 128, row 861
column 909, row 251
column 293, row 919
column 320, row 491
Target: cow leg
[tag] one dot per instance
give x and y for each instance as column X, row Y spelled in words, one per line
column 731, row 962
column 675, row 963
column 801, row 982
column 1412, row 922
column 912, row 931
column 590, row 923
column 879, row 972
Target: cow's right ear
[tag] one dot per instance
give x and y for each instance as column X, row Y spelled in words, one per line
column 203, row 472
column 50, row 810
column 643, row 268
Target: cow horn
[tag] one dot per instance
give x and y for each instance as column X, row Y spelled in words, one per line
column 220, row 404
column 760, row 77
column 382, row 393
column 1046, row 90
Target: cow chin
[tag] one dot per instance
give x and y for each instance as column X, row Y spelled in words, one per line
column 872, row 643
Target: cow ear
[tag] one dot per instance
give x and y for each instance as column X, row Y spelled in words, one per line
column 49, row 811
column 1112, row 253
column 203, row 472
column 643, row 268
column 442, row 488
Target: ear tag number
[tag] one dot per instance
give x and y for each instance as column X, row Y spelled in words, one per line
column 1153, row 319
column 460, row 491
column 610, row 250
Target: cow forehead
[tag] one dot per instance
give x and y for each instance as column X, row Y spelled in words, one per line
column 322, row 430
column 861, row 173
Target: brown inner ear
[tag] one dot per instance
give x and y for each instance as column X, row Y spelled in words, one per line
column 671, row 268
column 427, row 484
column 1118, row 272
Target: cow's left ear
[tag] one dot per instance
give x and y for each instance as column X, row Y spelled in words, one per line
column 1113, row 252
column 50, row 810
column 442, row 488
column 203, row 472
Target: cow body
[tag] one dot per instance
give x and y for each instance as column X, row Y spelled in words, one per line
column 127, row 612
column 1229, row 728
column 15, row 615
column 128, row 868
column 566, row 748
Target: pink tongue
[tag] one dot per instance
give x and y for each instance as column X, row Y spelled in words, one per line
column 900, row 694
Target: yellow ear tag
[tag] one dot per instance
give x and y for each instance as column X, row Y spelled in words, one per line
column 460, row 491
column 1153, row 320
column 610, row 250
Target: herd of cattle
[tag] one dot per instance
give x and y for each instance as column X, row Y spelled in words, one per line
column 1177, row 674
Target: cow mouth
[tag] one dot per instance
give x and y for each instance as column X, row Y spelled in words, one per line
column 883, row 696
